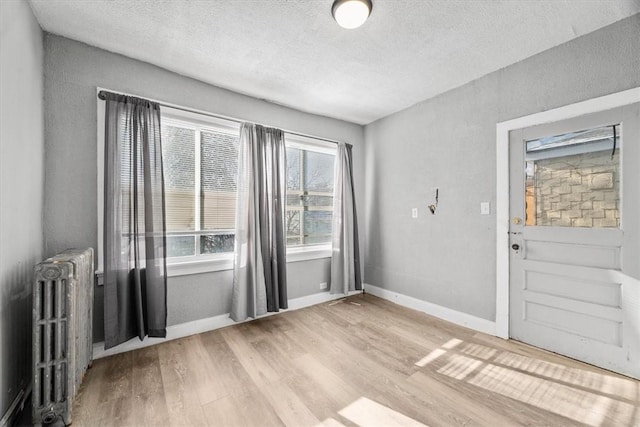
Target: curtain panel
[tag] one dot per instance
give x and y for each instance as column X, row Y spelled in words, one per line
column 135, row 272
column 260, row 267
column 345, row 253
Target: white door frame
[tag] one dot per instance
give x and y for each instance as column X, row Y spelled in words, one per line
column 594, row 105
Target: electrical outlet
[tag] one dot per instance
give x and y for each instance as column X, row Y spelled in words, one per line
column 414, row 213
column 323, row 285
column 485, row 208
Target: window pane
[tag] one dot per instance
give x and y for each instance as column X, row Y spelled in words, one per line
column 294, row 241
column 178, row 151
column 309, row 197
column 317, row 226
column 572, row 180
column 317, row 201
column 292, row 227
column 219, row 175
column 216, row 243
column 589, row 136
column 295, row 198
column 318, row 171
column 317, row 239
column 181, row 246
column 293, row 169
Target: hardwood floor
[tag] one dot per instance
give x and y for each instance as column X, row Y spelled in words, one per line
column 360, row 362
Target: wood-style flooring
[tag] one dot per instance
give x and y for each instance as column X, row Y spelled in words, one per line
column 362, row 361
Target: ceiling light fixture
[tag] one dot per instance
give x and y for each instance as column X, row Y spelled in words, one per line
column 351, row 13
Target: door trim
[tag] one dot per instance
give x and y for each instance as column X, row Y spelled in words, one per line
column 594, row 105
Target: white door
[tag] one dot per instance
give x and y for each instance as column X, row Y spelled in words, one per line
column 575, row 238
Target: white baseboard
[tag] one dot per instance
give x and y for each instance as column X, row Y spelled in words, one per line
column 173, row 332
column 313, row 299
column 17, row 405
column 205, row 325
column 453, row 316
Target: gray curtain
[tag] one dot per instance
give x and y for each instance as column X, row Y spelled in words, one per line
column 345, row 254
column 260, row 267
column 135, row 273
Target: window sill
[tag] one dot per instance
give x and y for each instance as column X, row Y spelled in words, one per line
column 190, row 266
column 197, row 266
column 308, row 253
column 225, row 262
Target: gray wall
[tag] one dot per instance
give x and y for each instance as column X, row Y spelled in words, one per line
column 21, row 189
column 449, row 142
column 72, row 72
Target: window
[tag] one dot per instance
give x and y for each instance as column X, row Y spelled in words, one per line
column 308, row 216
column 200, row 165
column 200, row 161
column 573, row 179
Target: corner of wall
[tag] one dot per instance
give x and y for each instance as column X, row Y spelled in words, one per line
column 22, row 192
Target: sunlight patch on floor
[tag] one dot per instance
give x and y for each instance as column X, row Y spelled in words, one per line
column 365, row 412
column 459, row 367
column 622, row 387
column 554, row 392
column 479, row 351
column 452, row 343
column 579, row 405
column 430, row 357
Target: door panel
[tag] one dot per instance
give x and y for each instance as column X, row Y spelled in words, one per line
column 574, row 237
column 557, row 315
column 566, row 285
column 567, row 253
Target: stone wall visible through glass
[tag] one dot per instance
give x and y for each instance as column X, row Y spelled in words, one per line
column 575, row 183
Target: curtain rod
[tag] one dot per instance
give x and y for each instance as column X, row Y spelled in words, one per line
column 102, row 96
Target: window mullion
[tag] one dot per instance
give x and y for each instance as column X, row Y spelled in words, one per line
column 198, row 189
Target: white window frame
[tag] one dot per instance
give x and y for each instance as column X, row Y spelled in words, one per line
column 179, row 266
column 322, row 250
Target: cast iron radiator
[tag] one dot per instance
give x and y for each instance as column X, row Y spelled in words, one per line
column 62, row 332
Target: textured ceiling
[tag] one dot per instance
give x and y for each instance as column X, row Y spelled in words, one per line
column 292, row 52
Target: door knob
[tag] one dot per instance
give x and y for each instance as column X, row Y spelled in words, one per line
column 515, row 246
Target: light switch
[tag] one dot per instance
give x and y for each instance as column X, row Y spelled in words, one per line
column 485, row 208
column 414, row 213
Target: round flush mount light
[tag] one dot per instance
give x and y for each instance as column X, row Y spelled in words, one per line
column 351, row 13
